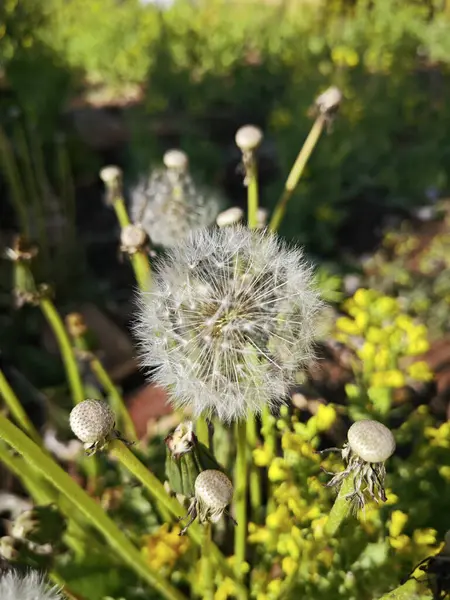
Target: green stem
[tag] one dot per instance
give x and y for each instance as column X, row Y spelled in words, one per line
column 208, row 572
column 404, row 592
column 269, row 433
column 252, row 193
column 139, row 259
column 255, row 473
column 11, row 172
column 16, row 409
column 202, row 431
column 87, row 506
column 241, row 497
column 296, row 172
column 156, row 489
column 341, row 507
column 117, row 401
column 67, row 352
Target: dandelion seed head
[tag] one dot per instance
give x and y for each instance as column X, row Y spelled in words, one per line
column 248, row 138
column 92, row 421
column 372, row 441
column 31, row 586
column 168, row 204
column 213, row 492
column 230, row 319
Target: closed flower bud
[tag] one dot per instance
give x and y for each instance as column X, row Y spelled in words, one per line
column 248, row 138
column 176, row 159
column 110, row 175
column 329, row 101
column 369, row 445
column 29, row 586
column 231, row 216
column 92, row 422
column 132, row 239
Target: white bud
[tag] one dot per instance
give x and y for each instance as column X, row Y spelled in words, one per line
column 214, row 492
column 261, row 217
column 92, row 421
column 230, row 216
column 372, row 441
column 110, row 174
column 132, row 238
column 176, row 159
column 329, row 100
column 248, row 138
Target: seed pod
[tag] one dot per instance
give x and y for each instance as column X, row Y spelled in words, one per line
column 110, row 174
column 248, row 138
column 214, row 492
column 329, row 101
column 92, row 421
column 176, row 159
column 132, row 239
column 370, row 440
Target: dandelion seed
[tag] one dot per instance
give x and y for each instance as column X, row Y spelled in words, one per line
column 31, row 586
column 230, row 319
column 168, row 204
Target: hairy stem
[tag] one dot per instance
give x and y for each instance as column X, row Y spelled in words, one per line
column 406, row 591
column 241, row 497
column 118, row 403
column 296, row 172
column 87, row 506
column 16, row 409
column 208, row 572
column 65, row 347
column 340, row 508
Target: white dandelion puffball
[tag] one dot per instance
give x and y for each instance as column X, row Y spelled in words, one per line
column 31, row 586
column 168, row 204
column 92, row 421
column 229, row 320
column 213, row 492
column 371, row 440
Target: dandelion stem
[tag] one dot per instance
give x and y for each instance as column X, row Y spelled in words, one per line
column 340, row 508
column 297, row 171
column 118, row 403
column 67, row 352
column 252, row 193
column 16, row 409
column 87, row 506
column 255, row 474
column 269, row 433
column 202, row 431
column 241, row 497
column 139, row 259
column 208, row 573
column 403, row 592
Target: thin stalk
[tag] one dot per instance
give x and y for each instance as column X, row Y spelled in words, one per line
column 67, row 352
column 202, row 431
column 255, row 473
column 16, row 409
column 241, row 497
column 340, row 508
column 117, row 401
column 139, row 259
column 252, row 193
column 208, row 572
column 156, row 489
column 87, row 506
column 269, row 433
column 404, row 592
column 297, row 171
column 11, row 172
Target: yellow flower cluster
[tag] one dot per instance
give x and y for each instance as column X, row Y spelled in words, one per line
column 163, row 548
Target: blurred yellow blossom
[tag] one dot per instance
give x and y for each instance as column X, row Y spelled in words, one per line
column 325, row 417
column 424, row 537
column 393, row 379
column 277, row 470
column 164, row 547
column 397, row 523
column 289, row 565
column 420, row 371
column 262, row 456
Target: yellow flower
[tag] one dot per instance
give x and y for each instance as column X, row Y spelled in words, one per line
column 279, row 518
column 404, row 322
column 400, row 542
column 375, row 335
column 444, row 472
column 424, row 537
column 397, row 523
column 417, row 346
column 277, row 470
column 348, row 326
column 364, row 297
column 392, row 379
column 386, row 306
column 362, row 320
column 367, row 351
column 325, row 417
column 274, row 588
column 226, row 590
column 420, row 371
column 163, row 548
column 262, row 456
column 289, row 565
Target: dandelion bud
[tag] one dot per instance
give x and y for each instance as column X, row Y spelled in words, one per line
column 261, row 217
column 231, row 216
column 248, row 138
column 111, row 175
column 132, row 239
column 176, row 159
column 229, row 321
column 213, row 493
column 329, row 101
column 92, row 421
column 369, row 445
column 372, row 441
column 29, row 586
